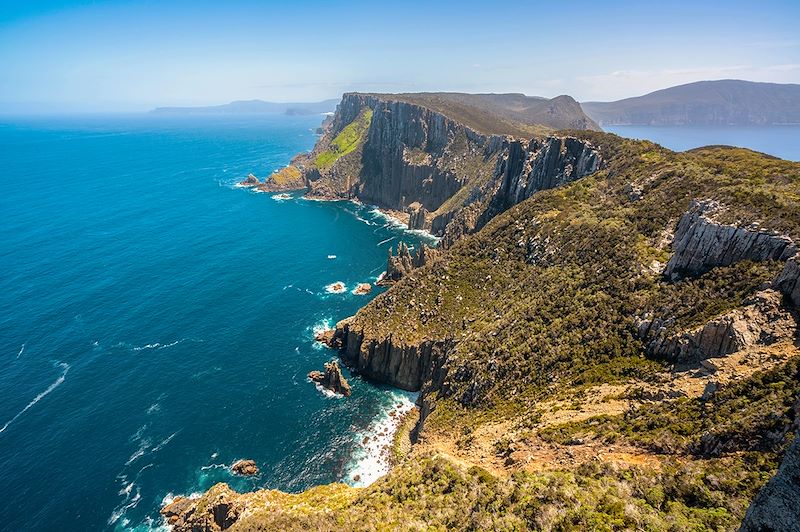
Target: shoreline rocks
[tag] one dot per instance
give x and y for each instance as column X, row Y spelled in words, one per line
column 400, row 265
column 362, row 289
column 325, row 337
column 245, row 468
column 218, row 509
column 332, row 379
column 336, row 288
column 250, row 181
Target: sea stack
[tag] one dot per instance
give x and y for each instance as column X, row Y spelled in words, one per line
column 332, row 378
column 245, row 468
column 362, row 289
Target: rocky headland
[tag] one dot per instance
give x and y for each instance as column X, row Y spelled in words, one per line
column 606, row 338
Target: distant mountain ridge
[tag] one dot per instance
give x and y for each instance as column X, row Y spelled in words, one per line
column 722, row 102
column 255, row 107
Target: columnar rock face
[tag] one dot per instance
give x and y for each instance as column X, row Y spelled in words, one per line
column 524, row 168
column 701, row 243
column 763, row 321
column 788, row 281
column 408, row 367
column 397, row 266
column 409, row 154
column 537, row 165
column 417, row 216
column 440, row 171
column 777, row 505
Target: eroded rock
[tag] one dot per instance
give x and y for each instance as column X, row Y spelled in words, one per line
column 400, row 265
column 362, row 289
column 776, row 507
column 701, row 243
column 332, row 378
column 788, row 282
column 762, row 321
column 325, row 337
column 218, row 509
column 245, row 468
column 250, row 181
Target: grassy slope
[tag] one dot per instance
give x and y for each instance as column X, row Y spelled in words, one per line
column 346, row 141
column 692, row 489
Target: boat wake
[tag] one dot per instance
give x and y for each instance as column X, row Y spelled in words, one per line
column 41, row 396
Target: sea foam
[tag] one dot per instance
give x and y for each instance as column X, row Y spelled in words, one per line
column 370, row 461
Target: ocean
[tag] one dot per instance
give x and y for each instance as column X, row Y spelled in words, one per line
column 157, row 322
column 779, row 141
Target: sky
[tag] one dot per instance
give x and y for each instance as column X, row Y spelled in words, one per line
column 134, row 55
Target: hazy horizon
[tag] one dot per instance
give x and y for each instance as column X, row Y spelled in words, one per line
column 131, row 56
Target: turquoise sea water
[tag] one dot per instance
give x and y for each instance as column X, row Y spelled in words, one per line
column 156, row 322
column 780, row 141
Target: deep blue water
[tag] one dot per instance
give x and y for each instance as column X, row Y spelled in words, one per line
column 156, row 322
column 780, row 141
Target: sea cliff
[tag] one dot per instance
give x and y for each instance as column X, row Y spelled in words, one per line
column 607, row 337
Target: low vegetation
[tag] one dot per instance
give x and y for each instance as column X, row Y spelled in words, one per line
column 539, row 306
column 346, row 141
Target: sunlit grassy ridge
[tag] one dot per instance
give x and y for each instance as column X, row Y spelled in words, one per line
column 346, row 141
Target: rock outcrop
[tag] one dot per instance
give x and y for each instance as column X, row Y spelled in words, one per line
column 530, row 166
column 397, row 266
column 287, row 178
column 762, row 321
column 788, row 281
column 332, row 378
column 362, row 289
column 250, row 181
column 777, row 506
column 220, row 509
column 438, row 170
column 325, row 337
column 245, row 468
column 701, row 243
column 407, row 367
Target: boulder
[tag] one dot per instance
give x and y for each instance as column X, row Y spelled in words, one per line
column 362, row 289
column 332, row 378
column 250, row 181
column 245, row 468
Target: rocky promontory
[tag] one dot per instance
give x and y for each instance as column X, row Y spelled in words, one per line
column 439, row 163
